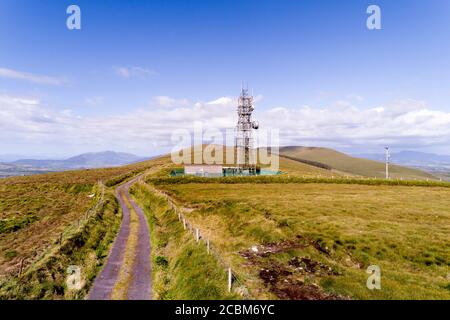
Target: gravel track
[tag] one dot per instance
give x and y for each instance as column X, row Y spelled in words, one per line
column 140, row 286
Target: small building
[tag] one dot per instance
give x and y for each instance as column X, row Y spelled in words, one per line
column 204, row 170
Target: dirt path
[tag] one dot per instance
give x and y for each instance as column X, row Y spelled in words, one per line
column 138, row 283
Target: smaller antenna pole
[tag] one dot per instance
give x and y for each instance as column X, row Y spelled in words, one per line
column 388, row 156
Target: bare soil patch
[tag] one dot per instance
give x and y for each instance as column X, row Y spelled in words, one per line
column 293, row 280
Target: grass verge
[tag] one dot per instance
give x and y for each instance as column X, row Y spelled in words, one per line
column 182, row 269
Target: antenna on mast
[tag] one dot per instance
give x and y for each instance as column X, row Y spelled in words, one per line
column 388, row 157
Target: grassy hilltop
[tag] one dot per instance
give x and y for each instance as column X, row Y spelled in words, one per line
column 307, row 234
column 351, row 165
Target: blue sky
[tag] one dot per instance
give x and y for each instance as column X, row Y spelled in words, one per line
column 143, row 61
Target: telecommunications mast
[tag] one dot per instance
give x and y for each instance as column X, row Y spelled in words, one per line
column 246, row 159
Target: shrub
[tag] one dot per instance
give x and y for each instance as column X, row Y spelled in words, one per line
column 10, row 254
column 162, row 261
column 16, row 223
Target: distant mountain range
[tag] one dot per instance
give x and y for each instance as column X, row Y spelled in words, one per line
column 10, row 157
column 82, row 161
column 412, row 158
column 86, row 160
column 437, row 165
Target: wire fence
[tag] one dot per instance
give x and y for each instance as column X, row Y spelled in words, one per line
column 235, row 282
column 28, row 263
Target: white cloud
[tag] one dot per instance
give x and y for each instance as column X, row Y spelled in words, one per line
column 231, row 101
column 134, row 72
column 223, row 101
column 30, row 77
column 355, row 97
column 405, row 122
column 5, row 99
column 94, row 101
column 258, row 98
column 27, row 121
column 168, row 102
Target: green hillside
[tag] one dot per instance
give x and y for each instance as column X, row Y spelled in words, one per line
column 228, row 156
column 351, row 165
column 48, row 222
column 316, row 241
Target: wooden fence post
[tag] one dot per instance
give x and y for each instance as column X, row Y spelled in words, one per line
column 21, row 266
column 184, row 223
column 197, row 235
column 230, row 279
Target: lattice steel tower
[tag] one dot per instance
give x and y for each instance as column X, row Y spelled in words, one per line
column 246, row 158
